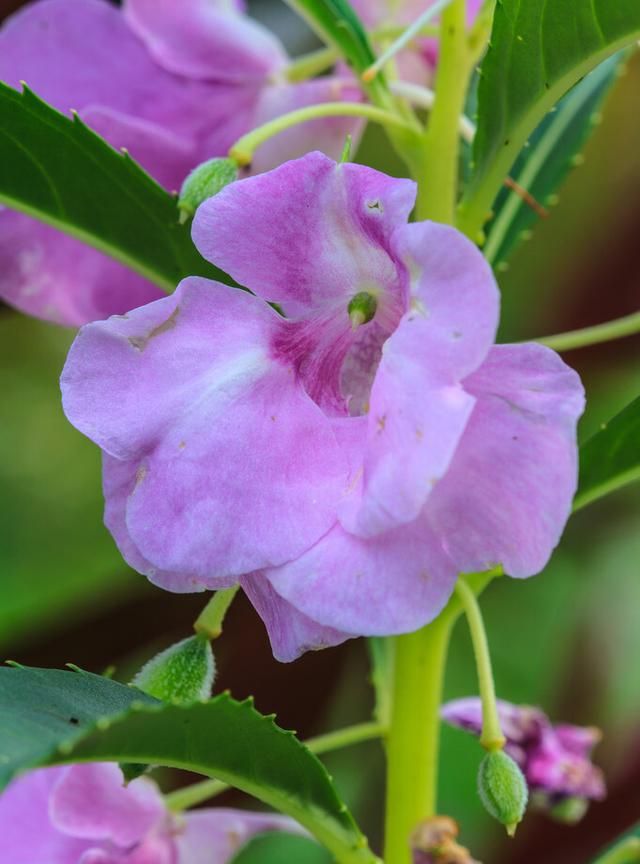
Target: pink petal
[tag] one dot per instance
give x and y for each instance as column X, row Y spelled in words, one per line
column 118, row 483
column 290, row 632
column 322, row 231
column 55, row 277
column 392, row 583
column 507, row 496
column 215, row 836
column 205, row 39
column 230, row 450
column 327, row 134
column 92, row 802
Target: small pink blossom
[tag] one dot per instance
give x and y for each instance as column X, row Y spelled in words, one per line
column 344, row 467
column 84, row 814
column 555, row 758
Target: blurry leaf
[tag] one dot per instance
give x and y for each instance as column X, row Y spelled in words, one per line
column 54, row 717
column 611, row 458
column 277, row 848
column 56, row 556
column 542, row 166
column 624, row 851
column 539, row 49
column 337, row 23
column 56, row 169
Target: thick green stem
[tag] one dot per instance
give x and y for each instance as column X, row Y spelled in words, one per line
column 209, row 621
column 438, row 186
column 414, row 735
column 492, row 737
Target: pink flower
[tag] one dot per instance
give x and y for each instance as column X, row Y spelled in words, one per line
column 84, row 814
column 174, row 83
column 344, row 462
column 555, row 759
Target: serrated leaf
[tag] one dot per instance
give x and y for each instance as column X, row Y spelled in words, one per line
column 611, row 458
column 221, row 738
column 542, row 166
column 56, row 169
column 538, row 50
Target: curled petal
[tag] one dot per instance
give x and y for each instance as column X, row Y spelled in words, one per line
column 322, row 230
column 92, row 802
column 290, row 632
column 230, row 449
column 205, row 39
column 392, row 583
column 507, row 495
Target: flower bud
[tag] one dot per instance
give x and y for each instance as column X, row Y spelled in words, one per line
column 503, row 789
column 204, row 182
column 181, row 674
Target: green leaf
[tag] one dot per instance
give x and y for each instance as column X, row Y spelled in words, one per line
column 56, row 169
column 52, row 717
column 542, row 166
column 611, row 458
column 337, row 24
column 276, row 848
column 624, row 851
column 538, row 50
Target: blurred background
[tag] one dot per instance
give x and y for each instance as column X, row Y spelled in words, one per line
column 568, row 640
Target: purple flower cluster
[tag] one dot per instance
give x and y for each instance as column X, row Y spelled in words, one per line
column 345, row 461
column 555, row 758
column 175, row 83
column 84, row 814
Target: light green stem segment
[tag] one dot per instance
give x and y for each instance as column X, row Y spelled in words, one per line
column 209, row 621
column 182, row 799
column 492, row 737
column 617, row 329
column 414, row 736
column 311, row 64
column 628, row 852
column 243, row 150
column 438, row 186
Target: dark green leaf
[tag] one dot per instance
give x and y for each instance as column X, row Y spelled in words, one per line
column 53, row 717
column 539, row 49
column 542, row 166
column 611, row 458
column 277, row 848
column 56, row 169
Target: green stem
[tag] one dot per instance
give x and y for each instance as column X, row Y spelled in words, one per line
column 438, row 187
column 182, row 799
column 492, row 737
column 311, row 64
column 243, row 150
column 209, row 621
column 414, row 735
column 617, row 329
column 628, row 852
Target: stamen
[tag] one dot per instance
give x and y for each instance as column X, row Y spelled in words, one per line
column 362, row 308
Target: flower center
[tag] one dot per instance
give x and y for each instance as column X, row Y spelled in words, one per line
column 362, row 307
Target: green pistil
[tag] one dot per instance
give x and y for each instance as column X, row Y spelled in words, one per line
column 362, row 308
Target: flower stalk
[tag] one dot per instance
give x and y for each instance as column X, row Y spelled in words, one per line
column 209, row 622
column 492, row 738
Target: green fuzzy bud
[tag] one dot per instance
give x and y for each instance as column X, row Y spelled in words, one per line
column 503, row 789
column 204, row 182
column 182, row 674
